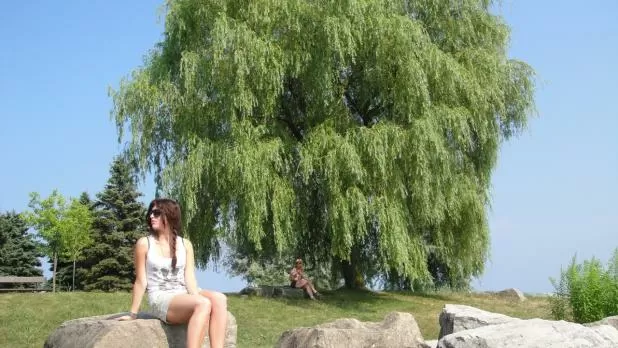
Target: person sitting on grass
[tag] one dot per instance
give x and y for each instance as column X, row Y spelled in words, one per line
column 165, row 267
column 299, row 280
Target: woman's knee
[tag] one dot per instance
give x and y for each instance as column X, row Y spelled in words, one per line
column 183, row 307
column 202, row 305
column 214, row 296
column 219, row 299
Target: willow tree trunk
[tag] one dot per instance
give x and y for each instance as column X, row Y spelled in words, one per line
column 350, row 269
column 352, row 277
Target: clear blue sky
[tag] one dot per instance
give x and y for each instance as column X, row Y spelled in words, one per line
column 554, row 189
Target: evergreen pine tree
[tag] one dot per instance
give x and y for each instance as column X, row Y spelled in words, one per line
column 118, row 223
column 19, row 252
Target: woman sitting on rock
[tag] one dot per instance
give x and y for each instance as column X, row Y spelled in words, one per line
column 300, row 281
column 164, row 266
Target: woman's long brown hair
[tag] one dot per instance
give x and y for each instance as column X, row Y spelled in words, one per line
column 170, row 214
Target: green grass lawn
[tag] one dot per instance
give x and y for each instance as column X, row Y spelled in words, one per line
column 27, row 319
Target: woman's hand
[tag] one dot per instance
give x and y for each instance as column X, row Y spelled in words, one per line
column 130, row 316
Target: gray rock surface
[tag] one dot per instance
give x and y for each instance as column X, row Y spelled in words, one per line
column 611, row 321
column 533, row 333
column 512, row 293
column 455, row 318
column 396, row 330
column 148, row 332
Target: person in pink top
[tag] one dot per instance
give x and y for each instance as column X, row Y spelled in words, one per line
column 299, row 280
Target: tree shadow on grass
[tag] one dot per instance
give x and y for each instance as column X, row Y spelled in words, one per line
column 428, row 295
column 347, row 300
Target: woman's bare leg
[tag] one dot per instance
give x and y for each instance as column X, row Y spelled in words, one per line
column 312, row 287
column 195, row 312
column 301, row 283
column 218, row 317
column 306, row 286
column 308, row 289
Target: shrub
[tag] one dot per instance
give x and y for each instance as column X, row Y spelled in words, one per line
column 586, row 292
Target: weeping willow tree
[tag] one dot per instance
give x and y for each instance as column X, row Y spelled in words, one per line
column 361, row 133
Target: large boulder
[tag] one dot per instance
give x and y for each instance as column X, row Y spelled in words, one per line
column 105, row 332
column 396, row 330
column 455, row 318
column 533, row 333
column 511, row 294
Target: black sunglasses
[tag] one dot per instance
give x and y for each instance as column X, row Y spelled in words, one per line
column 156, row 213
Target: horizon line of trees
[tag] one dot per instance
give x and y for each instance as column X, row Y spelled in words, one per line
column 89, row 242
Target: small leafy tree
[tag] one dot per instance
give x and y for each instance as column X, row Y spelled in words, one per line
column 45, row 219
column 65, row 228
column 65, row 274
column 586, row 292
column 77, row 232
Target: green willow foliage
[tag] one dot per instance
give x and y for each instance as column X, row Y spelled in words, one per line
column 358, row 127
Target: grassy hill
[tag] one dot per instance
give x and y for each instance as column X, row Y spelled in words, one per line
column 27, row 319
